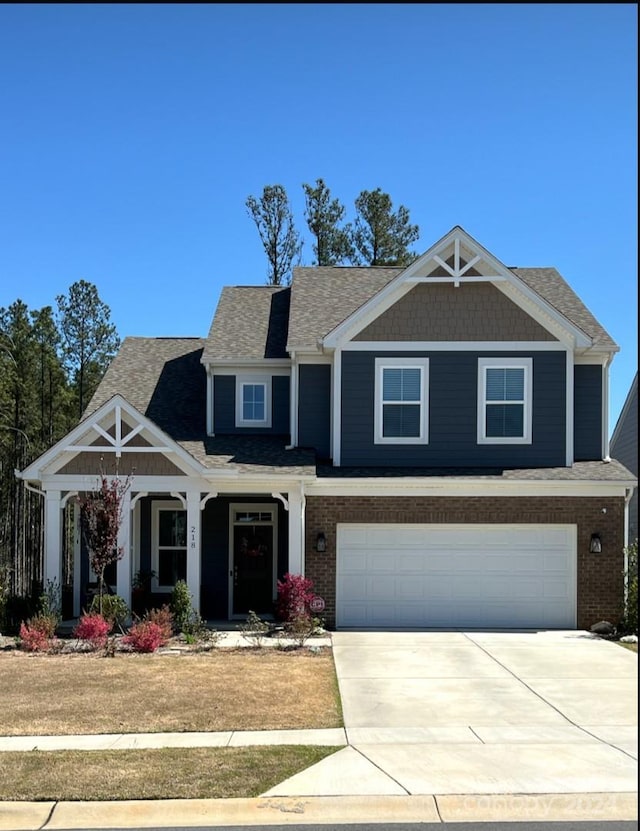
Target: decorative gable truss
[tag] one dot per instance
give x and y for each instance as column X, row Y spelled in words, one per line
column 457, row 260
column 116, row 437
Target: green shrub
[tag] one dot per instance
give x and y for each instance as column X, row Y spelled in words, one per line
column 114, row 610
column 185, row 618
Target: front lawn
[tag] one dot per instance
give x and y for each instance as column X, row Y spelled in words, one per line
column 191, row 773
column 243, row 689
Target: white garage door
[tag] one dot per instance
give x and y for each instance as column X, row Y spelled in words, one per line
column 472, row 576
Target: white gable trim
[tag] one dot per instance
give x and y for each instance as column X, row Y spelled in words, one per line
column 492, row 271
column 80, row 438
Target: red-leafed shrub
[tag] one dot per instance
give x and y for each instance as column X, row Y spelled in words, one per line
column 94, row 629
column 295, row 593
column 163, row 617
column 38, row 633
column 145, row 636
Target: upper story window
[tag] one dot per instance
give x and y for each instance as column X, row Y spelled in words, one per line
column 401, row 400
column 253, row 401
column 504, row 400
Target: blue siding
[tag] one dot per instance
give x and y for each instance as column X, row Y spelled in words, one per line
column 453, row 392
column 224, row 407
column 587, row 413
column 314, row 408
column 214, row 580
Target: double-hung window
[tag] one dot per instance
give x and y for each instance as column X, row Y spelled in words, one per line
column 253, row 401
column 169, row 544
column 504, row 400
column 401, row 401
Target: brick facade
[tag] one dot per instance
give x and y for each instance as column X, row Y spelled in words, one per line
column 599, row 576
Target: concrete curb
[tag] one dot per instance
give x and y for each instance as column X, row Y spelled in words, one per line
column 30, row 816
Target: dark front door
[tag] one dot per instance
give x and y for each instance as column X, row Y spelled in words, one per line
column 252, row 569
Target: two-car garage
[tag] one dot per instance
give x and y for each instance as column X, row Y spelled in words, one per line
column 456, row 576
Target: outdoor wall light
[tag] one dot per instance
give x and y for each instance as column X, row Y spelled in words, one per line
column 595, row 546
column 321, row 542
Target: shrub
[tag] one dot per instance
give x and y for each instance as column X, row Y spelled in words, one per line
column 38, row 633
column 295, row 593
column 255, row 630
column 145, row 636
column 630, row 622
column 114, row 610
column 185, row 617
column 163, row 617
column 94, row 629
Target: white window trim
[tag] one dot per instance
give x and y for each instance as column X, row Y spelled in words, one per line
column 402, row 363
column 525, row 364
column 157, row 506
column 254, row 380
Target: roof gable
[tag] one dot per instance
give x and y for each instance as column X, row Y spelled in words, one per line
column 458, row 259
column 113, row 430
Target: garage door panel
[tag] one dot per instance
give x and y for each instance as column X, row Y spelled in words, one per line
column 456, row 576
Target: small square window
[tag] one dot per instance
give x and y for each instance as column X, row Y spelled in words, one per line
column 253, row 401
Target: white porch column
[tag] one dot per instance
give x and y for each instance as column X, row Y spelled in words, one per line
column 193, row 547
column 52, row 538
column 123, row 579
column 77, row 565
column 296, row 559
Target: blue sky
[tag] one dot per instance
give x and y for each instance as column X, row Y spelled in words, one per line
column 131, row 136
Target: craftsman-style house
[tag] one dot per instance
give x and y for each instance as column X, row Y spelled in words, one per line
column 428, row 444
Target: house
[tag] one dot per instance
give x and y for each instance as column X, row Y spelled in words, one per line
column 624, row 447
column 428, row 444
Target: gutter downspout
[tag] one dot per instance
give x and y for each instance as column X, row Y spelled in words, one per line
column 605, row 410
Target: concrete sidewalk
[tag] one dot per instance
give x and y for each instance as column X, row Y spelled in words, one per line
column 32, row 816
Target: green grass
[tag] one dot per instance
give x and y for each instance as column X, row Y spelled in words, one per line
column 184, row 773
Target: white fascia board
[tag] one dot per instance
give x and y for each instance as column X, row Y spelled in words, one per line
column 445, row 487
column 590, row 358
column 368, row 312
column 262, row 368
column 248, row 363
column 64, row 450
column 542, row 311
column 455, row 346
column 317, row 358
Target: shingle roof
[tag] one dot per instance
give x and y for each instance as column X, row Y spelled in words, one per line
column 324, row 296
column 163, row 378
column 250, row 322
column 550, row 285
column 596, row 471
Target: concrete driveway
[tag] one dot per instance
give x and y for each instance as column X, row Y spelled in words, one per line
column 435, row 712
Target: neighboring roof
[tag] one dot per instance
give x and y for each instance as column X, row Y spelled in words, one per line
column 250, row 322
column 324, row 296
column 626, row 429
column 596, row 471
column 550, row 285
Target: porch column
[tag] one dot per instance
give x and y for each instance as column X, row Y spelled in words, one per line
column 77, row 565
column 296, row 561
column 193, row 547
column 53, row 538
column 123, row 569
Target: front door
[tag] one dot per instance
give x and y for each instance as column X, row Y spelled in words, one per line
column 252, row 561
